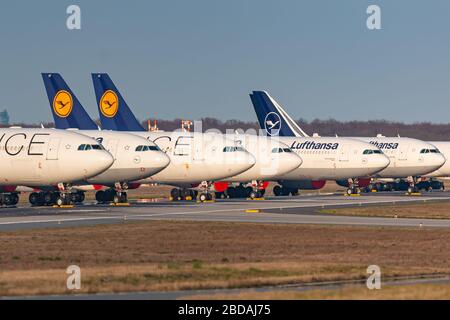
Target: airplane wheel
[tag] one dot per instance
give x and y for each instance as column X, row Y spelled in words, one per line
column 60, row 201
column 15, row 199
column 203, row 197
column 48, row 198
column 248, row 191
column 124, row 197
column 34, row 199
column 81, row 197
column 231, row 191
column 116, row 199
column 277, row 191
column 100, row 196
column 175, row 194
column 253, row 195
column 209, row 196
column 349, row 191
column 7, row 198
column 184, row 193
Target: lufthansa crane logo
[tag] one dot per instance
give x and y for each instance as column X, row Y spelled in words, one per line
column 109, row 104
column 272, row 124
column 63, row 103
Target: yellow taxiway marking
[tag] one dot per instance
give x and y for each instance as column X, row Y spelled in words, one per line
column 66, row 206
column 413, row 194
column 252, row 211
column 126, row 204
column 256, row 199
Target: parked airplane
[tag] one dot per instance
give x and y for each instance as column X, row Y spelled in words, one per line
column 409, row 158
column 444, row 148
column 135, row 158
column 197, row 159
column 273, row 158
column 210, row 159
column 324, row 162
column 47, row 159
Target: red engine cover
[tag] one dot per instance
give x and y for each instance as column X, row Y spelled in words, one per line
column 364, row 182
column 264, row 185
column 8, row 188
column 318, row 184
column 134, row 186
column 220, row 186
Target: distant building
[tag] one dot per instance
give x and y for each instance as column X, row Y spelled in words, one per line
column 4, row 118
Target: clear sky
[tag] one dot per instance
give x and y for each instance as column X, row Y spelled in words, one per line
column 198, row 58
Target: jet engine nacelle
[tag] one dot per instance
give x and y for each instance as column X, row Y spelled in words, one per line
column 304, row 184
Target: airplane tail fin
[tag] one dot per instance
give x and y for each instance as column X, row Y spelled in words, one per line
column 66, row 108
column 114, row 111
column 273, row 118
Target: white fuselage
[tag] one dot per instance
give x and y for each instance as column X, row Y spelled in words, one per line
column 444, row 171
column 406, row 156
column 130, row 162
column 273, row 158
column 333, row 158
column 196, row 157
column 46, row 157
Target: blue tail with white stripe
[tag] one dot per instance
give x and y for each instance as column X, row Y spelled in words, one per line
column 272, row 118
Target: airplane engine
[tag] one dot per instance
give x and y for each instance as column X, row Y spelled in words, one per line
column 304, row 184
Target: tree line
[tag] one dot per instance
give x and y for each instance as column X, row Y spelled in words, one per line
column 329, row 127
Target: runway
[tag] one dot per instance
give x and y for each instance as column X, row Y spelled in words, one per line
column 296, row 210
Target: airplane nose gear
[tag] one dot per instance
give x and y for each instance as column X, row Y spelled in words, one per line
column 121, row 194
column 353, row 187
column 205, row 194
column 257, row 191
column 412, row 188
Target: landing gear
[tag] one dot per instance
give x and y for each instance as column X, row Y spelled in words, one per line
column 120, row 198
column 255, row 194
column 205, row 197
column 412, row 188
column 183, row 194
column 253, row 191
column 257, row 190
column 63, row 200
column 353, row 187
column 9, row 199
column 50, row 198
column 284, row 191
column 111, row 195
column 205, row 193
column 36, row 199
